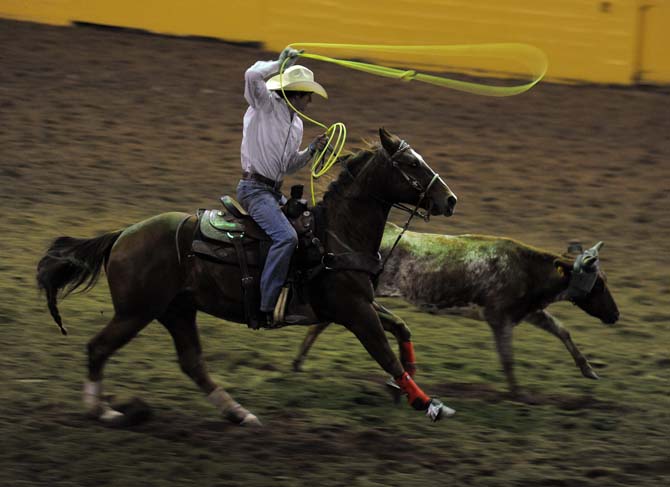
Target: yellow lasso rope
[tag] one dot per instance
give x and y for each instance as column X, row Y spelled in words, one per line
column 533, row 58
column 336, row 136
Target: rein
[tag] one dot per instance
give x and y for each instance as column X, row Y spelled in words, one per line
column 404, row 146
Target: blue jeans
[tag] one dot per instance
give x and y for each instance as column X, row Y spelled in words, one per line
column 262, row 203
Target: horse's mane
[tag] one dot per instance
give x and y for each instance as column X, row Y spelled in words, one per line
column 351, row 164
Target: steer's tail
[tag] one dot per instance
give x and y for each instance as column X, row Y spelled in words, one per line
column 68, row 264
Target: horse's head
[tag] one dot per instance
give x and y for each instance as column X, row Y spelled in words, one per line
column 587, row 287
column 409, row 179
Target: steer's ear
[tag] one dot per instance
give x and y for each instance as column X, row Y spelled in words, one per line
column 562, row 268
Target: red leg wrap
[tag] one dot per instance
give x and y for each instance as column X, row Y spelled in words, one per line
column 415, row 396
column 407, row 358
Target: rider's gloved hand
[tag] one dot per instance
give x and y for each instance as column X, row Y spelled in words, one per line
column 291, row 54
column 318, row 144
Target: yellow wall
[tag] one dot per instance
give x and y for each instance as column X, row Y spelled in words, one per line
column 580, row 40
column 653, row 59
column 227, row 19
column 44, row 11
column 591, row 40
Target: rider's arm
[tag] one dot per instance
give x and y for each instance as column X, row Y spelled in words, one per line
column 255, row 91
column 298, row 160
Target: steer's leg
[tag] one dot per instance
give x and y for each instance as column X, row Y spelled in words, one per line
column 542, row 319
column 502, row 331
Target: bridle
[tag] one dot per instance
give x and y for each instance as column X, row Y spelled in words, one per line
column 413, row 182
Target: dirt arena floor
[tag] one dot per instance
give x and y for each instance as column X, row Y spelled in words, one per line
column 100, row 129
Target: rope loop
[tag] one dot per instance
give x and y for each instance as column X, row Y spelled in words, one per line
column 533, row 58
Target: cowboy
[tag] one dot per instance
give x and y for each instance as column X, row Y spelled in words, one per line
column 271, row 141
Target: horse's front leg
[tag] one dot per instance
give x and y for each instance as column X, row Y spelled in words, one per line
column 362, row 319
column 397, row 326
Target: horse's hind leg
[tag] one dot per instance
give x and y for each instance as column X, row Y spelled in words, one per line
column 391, row 323
column 313, row 333
column 179, row 320
column 118, row 332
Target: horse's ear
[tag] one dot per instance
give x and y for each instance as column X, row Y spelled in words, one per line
column 389, row 141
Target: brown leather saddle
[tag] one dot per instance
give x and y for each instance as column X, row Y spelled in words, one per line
column 220, row 232
column 230, row 236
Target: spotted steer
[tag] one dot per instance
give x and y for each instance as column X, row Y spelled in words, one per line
column 495, row 279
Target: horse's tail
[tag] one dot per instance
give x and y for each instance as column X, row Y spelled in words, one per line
column 70, row 262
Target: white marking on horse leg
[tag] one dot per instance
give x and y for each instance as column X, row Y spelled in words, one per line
column 95, row 406
column 230, row 409
column 91, row 396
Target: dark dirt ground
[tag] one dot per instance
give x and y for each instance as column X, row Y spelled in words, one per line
column 100, row 129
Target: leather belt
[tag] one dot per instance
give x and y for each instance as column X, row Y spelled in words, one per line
column 254, row 176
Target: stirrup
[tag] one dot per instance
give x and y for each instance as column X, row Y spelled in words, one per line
column 280, row 307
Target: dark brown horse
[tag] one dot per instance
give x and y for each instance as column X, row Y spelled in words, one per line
column 151, row 276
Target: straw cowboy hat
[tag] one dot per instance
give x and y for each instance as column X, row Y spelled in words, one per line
column 296, row 78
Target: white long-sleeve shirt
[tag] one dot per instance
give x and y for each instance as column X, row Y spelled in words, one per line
column 272, row 133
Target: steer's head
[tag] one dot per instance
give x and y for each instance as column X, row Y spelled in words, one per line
column 587, row 286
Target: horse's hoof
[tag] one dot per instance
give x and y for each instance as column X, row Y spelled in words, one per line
column 252, row 421
column 121, row 415
column 239, row 415
column 114, row 418
column 107, row 415
column 590, row 374
column 437, row 410
column 135, row 412
column 297, row 366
